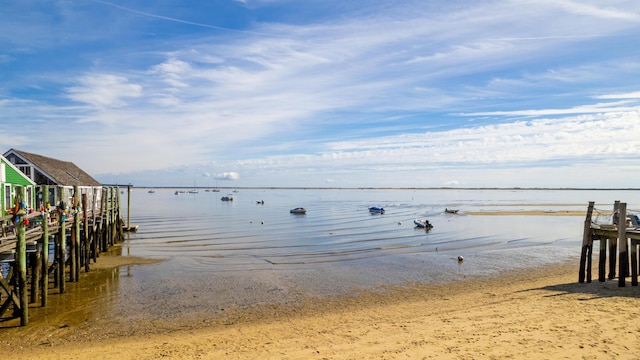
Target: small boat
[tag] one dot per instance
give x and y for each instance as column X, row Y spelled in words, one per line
column 151, row 191
column 450, row 211
column 261, row 202
column 298, row 211
column 194, row 191
column 227, row 198
column 423, row 223
column 177, row 192
column 376, row 210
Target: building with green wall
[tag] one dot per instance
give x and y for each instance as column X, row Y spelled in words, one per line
column 13, row 180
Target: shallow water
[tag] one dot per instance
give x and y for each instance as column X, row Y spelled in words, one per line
column 200, row 233
column 220, row 255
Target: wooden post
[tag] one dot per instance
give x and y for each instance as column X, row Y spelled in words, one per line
column 613, row 244
column 76, row 232
column 36, row 263
column 622, row 237
column 45, row 245
column 114, row 191
column 119, row 227
column 105, row 220
column 62, row 236
column 21, row 257
column 634, row 263
column 72, row 243
column 85, row 235
column 603, row 259
column 35, row 273
column 129, row 206
column 94, row 228
column 586, row 244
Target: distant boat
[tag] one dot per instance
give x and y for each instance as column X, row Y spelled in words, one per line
column 298, row 211
column 194, row 191
column 227, row 198
column 151, row 191
column 450, row 211
column 423, row 223
column 177, row 192
column 376, row 210
column 261, row 202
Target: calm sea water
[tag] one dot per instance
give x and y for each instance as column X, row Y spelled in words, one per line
column 199, row 233
column 221, row 255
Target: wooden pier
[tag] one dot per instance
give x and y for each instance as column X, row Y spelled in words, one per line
column 78, row 231
column 621, row 237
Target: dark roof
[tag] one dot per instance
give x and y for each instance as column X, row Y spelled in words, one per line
column 64, row 173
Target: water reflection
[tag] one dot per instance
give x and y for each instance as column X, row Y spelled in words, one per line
column 221, row 255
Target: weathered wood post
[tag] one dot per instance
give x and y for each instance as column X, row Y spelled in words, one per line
column 119, row 227
column 129, row 206
column 622, row 238
column 95, row 238
column 613, row 244
column 62, row 238
column 45, row 245
column 113, row 216
column 634, row 263
column 36, row 263
column 586, row 245
column 21, row 256
column 105, row 220
column 603, row 259
column 85, row 234
column 35, row 273
column 72, row 238
column 78, row 211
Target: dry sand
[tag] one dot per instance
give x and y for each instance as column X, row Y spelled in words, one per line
column 540, row 313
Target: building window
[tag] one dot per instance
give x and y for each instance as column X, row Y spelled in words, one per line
column 7, row 196
column 29, row 196
column 25, row 170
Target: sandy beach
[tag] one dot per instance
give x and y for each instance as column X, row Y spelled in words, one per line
column 539, row 313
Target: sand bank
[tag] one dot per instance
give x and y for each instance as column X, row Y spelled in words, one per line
column 541, row 313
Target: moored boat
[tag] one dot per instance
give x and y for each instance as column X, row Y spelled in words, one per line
column 423, row 223
column 227, row 198
column 298, row 211
column 376, row 210
column 450, row 211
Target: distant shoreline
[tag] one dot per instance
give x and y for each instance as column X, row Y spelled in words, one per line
column 377, row 188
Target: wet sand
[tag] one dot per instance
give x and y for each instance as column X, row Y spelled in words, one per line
column 538, row 313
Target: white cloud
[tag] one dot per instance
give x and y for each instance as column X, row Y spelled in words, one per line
column 227, row 176
column 630, row 95
column 104, row 90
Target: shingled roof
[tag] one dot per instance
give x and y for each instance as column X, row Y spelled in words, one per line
column 63, row 173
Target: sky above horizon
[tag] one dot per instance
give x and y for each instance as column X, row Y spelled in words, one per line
column 332, row 93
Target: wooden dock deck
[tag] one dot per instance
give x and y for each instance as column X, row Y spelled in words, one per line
column 77, row 237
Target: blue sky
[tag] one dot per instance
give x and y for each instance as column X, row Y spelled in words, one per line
column 327, row 93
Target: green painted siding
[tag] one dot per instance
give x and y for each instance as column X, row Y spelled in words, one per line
column 14, row 178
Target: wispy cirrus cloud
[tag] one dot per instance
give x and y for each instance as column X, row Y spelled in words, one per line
column 336, row 88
